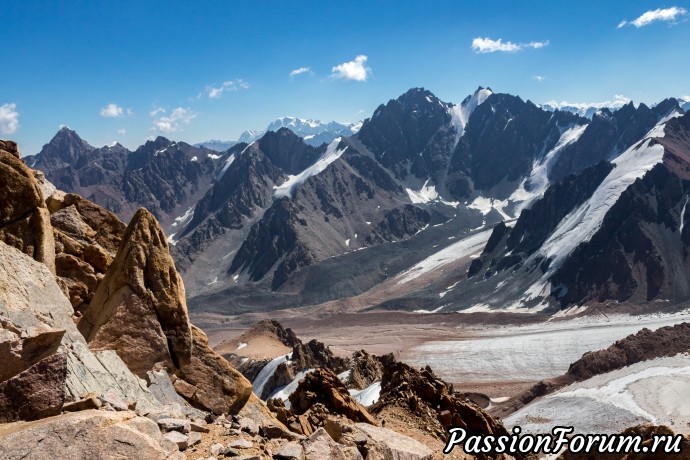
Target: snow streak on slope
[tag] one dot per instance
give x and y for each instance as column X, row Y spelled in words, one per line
column 472, row 245
column 538, row 180
column 367, row 396
column 228, row 163
column 460, row 114
column 580, row 225
column 427, row 194
column 331, row 154
column 266, row 372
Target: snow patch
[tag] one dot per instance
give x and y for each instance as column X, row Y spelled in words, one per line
column 241, row 345
column 367, row 396
column 184, row 218
column 581, row 224
column 435, row 310
column 467, row 246
column 331, row 154
column 213, row 156
column 427, row 194
column 682, row 216
column 538, row 180
column 284, row 393
column 228, row 162
column 460, row 114
column 194, row 158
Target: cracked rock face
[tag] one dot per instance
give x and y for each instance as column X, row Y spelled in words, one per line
column 141, row 283
column 139, row 311
column 24, row 218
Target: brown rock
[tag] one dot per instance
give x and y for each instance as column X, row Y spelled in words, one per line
column 35, row 393
column 323, row 386
column 139, row 310
column 17, row 354
column 220, row 388
column 24, row 219
column 91, row 401
column 141, row 283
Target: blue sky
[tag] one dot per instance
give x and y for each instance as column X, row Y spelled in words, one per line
column 124, row 71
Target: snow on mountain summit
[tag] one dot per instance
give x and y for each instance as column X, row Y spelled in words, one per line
column 460, row 114
column 314, row 132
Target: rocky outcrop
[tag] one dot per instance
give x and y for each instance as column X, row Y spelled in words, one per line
column 429, row 398
column 304, row 356
column 141, row 283
column 24, row 218
column 140, row 311
column 212, row 383
column 365, row 370
column 635, row 348
column 86, row 434
column 45, row 359
column 322, row 386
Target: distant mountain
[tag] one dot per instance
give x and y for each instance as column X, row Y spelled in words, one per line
column 218, row 146
column 165, row 177
column 493, row 202
column 314, row 132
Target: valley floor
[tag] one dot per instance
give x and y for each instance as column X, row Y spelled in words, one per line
column 499, row 355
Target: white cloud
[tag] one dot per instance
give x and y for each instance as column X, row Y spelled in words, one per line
column 112, row 111
column 178, row 117
column 488, row 45
column 539, row 78
column 9, row 119
column 685, row 98
column 300, row 71
column 156, row 110
column 352, row 70
column 671, row 15
column 618, row 101
column 215, row 92
column 122, row 131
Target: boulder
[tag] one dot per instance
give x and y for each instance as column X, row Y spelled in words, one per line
column 24, row 218
column 319, row 446
column 35, row 393
column 86, row 435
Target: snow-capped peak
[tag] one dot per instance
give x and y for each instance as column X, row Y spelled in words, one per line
column 460, row 114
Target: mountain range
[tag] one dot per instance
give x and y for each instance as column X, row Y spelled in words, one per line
column 314, row 132
column 491, row 203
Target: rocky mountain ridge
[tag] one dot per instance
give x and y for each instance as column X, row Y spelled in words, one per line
column 258, row 222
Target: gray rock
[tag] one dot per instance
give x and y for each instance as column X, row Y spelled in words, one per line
column 175, row 424
column 178, row 438
column 290, row 451
column 216, row 449
column 249, row 426
column 320, row 445
column 194, row 438
column 390, row 445
column 241, row 444
column 199, row 426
